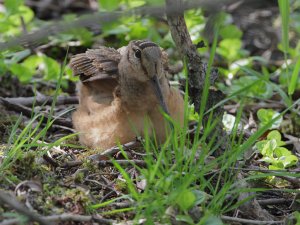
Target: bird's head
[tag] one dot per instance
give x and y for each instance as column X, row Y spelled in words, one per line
column 142, row 60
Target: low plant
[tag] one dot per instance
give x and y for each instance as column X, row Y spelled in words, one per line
column 274, row 153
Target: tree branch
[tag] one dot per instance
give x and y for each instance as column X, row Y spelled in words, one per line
column 187, row 49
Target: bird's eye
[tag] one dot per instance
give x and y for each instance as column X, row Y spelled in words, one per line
column 138, row 53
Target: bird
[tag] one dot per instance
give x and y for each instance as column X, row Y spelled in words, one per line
column 123, row 93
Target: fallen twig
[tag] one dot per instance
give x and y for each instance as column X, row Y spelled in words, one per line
column 65, row 217
column 28, row 112
column 106, row 186
column 247, row 221
column 122, row 162
column 10, row 222
column 8, row 199
column 43, row 100
column 106, row 163
column 273, row 201
column 114, row 150
column 70, row 164
column 293, row 180
column 255, row 106
column 262, row 170
column 251, row 208
column 78, row 218
column 99, row 156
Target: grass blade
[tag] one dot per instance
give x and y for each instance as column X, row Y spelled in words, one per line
column 294, row 78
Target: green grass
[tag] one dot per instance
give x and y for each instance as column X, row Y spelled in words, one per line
column 177, row 181
column 284, row 8
column 178, row 174
column 33, row 135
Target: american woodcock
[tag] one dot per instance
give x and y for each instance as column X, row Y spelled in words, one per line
column 122, row 89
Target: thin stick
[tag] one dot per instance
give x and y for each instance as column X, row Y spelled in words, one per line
column 28, row 112
column 273, row 201
column 247, row 221
column 122, row 162
column 43, row 100
column 7, row 198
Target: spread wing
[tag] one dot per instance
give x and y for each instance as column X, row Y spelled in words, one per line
column 95, row 64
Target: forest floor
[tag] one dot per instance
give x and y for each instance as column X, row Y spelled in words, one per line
column 61, row 181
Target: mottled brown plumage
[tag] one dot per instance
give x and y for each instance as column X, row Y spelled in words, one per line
column 122, row 89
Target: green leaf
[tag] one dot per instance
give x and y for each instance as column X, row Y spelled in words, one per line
column 200, row 196
column 274, row 134
column 258, row 89
column 289, row 160
column 270, row 160
column 261, row 144
column 269, row 148
column 186, row 199
column 23, row 11
column 26, row 13
column 184, row 218
column 281, row 151
column 52, row 68
column 3, row 67
column 24, row 74
column 213, row 220
column 266, row 115
column 15, row 57
column 155, row 2
column 5, row 27
column 272, row 167
column 230, row 49
column 12, row 6
column 263, row 115
column 109, row 5
column 136, row 3
column 33, row 62
column 192, row 114
column 279, row 162
column 297, row 216
column 111, row 28
column 231, row 32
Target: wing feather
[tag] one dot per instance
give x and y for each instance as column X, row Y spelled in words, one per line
column 94, row 64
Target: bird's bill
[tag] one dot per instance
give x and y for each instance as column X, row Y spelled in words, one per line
column 158, row 92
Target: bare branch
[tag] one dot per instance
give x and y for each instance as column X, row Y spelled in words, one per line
column 247, row 221
column 28, row 112
column 43, row 100
column 7, row 198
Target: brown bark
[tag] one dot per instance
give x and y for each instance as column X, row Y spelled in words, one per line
column 182, row 39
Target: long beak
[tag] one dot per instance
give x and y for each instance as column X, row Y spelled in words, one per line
column 158, row 93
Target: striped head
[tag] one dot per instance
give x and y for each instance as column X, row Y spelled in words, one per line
column 142, row 60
